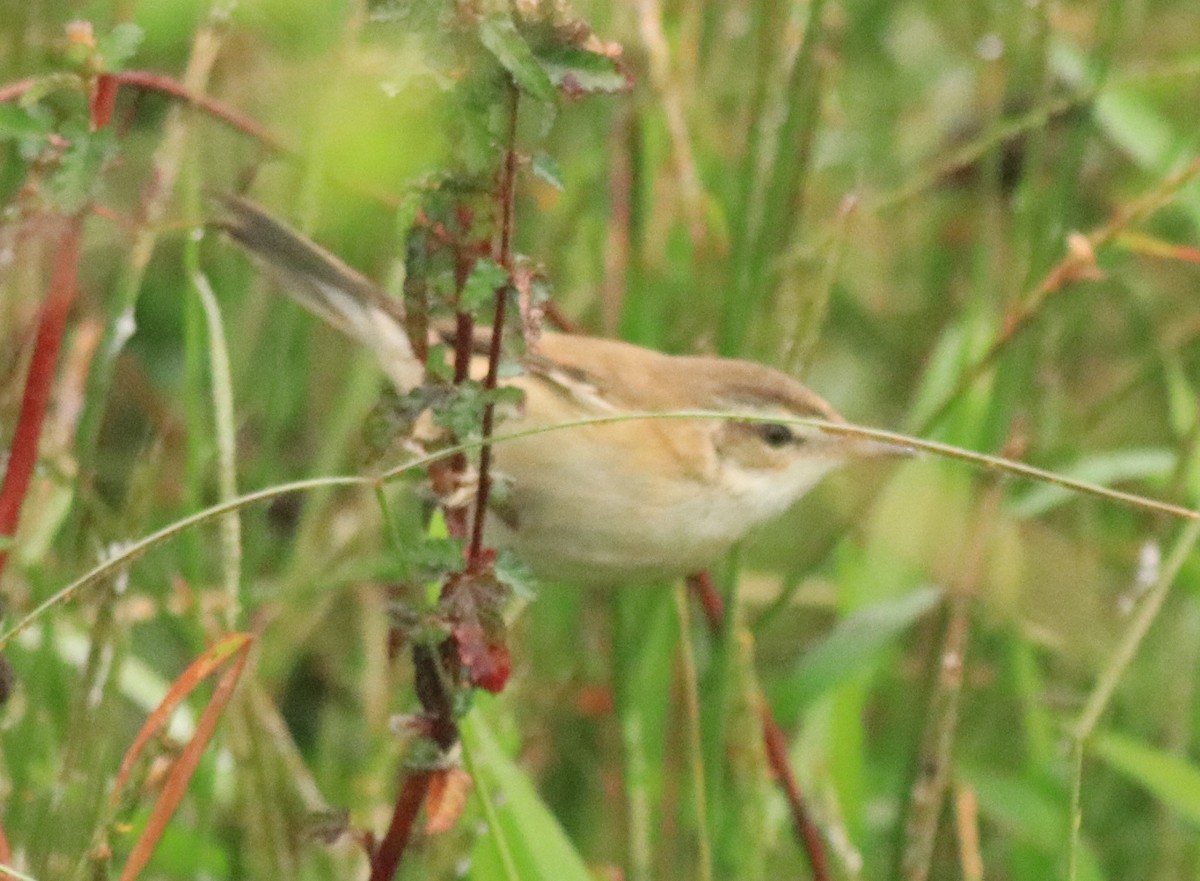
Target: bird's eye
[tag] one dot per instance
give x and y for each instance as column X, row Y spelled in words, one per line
column 776, row 435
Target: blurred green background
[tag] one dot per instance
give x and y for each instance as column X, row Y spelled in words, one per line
column 866, row 194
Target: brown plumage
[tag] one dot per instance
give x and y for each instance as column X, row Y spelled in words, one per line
column 609, row 503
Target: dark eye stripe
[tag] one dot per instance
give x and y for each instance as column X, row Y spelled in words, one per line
column 775, row 434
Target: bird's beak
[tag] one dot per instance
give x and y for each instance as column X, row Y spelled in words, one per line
column 870, row 448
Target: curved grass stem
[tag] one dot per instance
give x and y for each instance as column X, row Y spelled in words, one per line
column 900, row 441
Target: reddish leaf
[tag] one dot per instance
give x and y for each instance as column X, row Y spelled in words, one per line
column 488, row 662
column 594, row 700
column 448, row 791
column 235, row 119
column 5, row 850
column 181, row 772
column 473, row 605
column 197, row 672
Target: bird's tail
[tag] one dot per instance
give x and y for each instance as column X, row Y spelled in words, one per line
column 327, row 287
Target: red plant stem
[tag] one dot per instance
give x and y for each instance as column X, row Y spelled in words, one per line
column 447, row 473
column 777, row 757
column 408, row 804
column 464, row 332
column 710, row 598
column 701, row 584
column 146, row 79
column 559, row 320
column 103, row 100
column 40, row 379
column 235, row 119
column 504, row 258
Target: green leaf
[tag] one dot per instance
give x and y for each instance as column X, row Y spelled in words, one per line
column 853, row 645
column 538, row 845
column 486, row 277
column 20, row 123
column 1023, row 808
column 459, row 408
column 431, row 559
column 438, row 364
column 1171, row 779
column 941, row 372
column 645, row 643
column 118, row 46
column 579, row 72
column 1031, row 811
column 511, row 571
column 547, row 169
column 74, row 182
column 504, row 41
column 49, row 84
column 1181, row 394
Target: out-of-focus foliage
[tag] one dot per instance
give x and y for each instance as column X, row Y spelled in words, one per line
column 868, row 194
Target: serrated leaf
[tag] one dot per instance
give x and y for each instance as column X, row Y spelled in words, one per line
column 1173, row 780
column 511, row 571
column 459, row 408
column 118, row 46
column 473, row 604
column 74, row 182
column 431, row 559
column 438, row 362
column 853, row 645
column 500, row 36
column 486, row 277
column 579, row 72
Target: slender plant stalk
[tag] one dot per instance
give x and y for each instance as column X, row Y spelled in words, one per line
column 222, row 397
column 774, row 740
column 506, row 197
column 655, row 40
column 966, row 812
column 1102, row 693
column 413, row 790
column 691, row 692
column 935, row 759
column 168, row 159
column 782, row 203
column 1077, row 264
column 1077, row 749
column 928, row 792
column 1132, row 638
column 10, row 872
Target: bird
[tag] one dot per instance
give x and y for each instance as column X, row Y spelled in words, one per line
column 635, row 500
